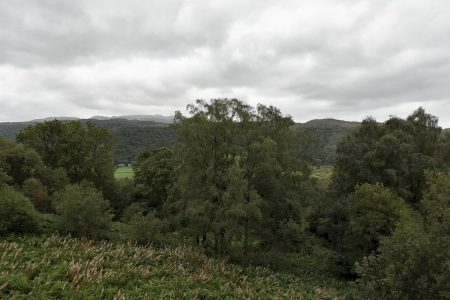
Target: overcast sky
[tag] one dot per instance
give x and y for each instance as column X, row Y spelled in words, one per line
column 313, row 59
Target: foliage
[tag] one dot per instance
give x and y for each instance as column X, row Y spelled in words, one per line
column 241, row 175
column 17, row 214
column 83, row 269
column 134, row 137
column 395, row 153
column 4, row 178
column 154, row 177
column 82, row 211
column 85, row 153
column 124, row 195
column 146, row 229
column 414, row 263
column 37, row 193
column 18, row 162
column 372, row 213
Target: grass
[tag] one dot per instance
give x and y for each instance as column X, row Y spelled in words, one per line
column 323, row 174
column 124, row 172
column 66, row 268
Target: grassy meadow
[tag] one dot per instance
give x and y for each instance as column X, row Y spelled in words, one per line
column 66, row 268
column 124, row 172
column 323, row 174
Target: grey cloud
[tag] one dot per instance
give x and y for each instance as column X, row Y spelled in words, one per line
column 344, row 59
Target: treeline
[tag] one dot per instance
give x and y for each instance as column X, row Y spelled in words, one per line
column 238, row 184
column 132, row 137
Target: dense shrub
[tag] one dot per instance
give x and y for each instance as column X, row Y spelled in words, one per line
column 17, row 214
column 82, row 211
column 145, row 229
column 414, row 263
column 37, row 193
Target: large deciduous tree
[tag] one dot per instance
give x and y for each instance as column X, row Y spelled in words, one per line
column 84, row 152
column 239, row 175
column 395, row 153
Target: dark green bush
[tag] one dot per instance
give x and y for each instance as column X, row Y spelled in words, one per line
column 82, row 211
column 37, row 193
column 17, row 214
column 414, row 263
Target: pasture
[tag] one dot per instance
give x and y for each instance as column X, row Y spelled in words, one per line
column 124, row 172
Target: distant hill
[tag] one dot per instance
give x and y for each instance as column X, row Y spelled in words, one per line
column 330, row 132
column 135, row 136
column 155, row 118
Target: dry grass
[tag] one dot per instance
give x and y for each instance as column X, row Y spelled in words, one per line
column 63, row 267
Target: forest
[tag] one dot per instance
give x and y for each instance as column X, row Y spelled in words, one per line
column 236, row 197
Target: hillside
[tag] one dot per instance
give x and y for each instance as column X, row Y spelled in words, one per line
column 58, row 267
column 132, row 136
column 330, row 132
column 135, row 136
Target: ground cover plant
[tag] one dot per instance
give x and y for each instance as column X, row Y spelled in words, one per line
column 63, row 267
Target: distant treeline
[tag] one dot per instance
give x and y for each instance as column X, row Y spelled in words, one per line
column 134, row 137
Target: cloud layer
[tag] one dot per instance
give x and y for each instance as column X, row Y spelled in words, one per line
column 313, row 59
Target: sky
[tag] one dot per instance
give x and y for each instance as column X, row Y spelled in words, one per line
column 345, row 59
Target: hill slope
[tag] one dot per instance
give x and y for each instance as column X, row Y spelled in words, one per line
column 136, row 136
column 66, row 268
column 132, row 136
column 330, row 132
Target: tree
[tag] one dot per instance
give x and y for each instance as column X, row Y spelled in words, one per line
column 85, row 153
column 414, row 262
column 18, row 162
column 256, row 146
column 46, row 138
column 17, row 214
column 372, row 213
column 155, row 176
column 395, row 153
column 4, row 178
column 37, row 193
column 82, row 211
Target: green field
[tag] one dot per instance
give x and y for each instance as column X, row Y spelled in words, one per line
column 124, row 172
column 66, row 268
column 323, row 174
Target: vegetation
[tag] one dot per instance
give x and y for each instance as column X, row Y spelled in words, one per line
column 134, row 137
column 17, row 214
column 124, row 172
column 66, row 268
column 82, row 211
column 323, row 174
column 240, row 184
column 414, row 262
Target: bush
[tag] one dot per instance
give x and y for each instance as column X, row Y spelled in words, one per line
column 414, row 263
column 149, row 229
column 83, row 211
column 371, row 212
column 17, row 214
column 37, row 193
